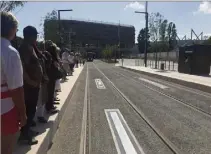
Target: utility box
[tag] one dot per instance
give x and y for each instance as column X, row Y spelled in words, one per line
column 195, row 59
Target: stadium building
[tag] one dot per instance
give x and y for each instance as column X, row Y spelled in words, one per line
column 95, row 34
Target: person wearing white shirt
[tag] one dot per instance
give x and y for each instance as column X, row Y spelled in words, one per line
column 71, row 62
column 65, row 61
column 13, row 111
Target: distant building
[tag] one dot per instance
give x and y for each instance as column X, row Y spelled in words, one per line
column 96, row 34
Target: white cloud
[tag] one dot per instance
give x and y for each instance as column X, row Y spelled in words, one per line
column 135, row 5
column 204, row 7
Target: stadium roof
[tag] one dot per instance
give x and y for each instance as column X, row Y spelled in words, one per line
column 98, row 22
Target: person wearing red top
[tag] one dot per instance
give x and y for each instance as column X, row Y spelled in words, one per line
column 13, row 112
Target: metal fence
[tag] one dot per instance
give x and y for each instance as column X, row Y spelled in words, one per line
column 168, row 65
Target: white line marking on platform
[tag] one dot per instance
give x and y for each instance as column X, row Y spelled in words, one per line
column 99, row 84
column 154, row 83
column 121, row 133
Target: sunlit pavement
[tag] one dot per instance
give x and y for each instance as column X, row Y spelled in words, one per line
column 113, row 110
column 47, row 131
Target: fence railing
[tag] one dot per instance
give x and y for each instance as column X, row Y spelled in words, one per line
column 168, row 64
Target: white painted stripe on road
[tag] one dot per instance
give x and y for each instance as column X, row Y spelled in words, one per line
column 99, row 84
column 112, row 132
column 121, row 132
column 82, row 148
column 154, row 83
column 127, row 144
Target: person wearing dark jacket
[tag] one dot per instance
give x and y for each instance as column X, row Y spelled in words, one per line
column 32, row 77
column 50, row 108
column 43, row 89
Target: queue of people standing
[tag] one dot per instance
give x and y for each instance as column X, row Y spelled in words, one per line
column 30, row 78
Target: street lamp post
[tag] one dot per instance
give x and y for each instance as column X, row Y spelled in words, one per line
column 146, row 32
column 118, row 41
column 60, row 22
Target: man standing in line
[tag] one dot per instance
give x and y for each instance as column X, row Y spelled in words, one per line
column 13, row 112
column 32, row 76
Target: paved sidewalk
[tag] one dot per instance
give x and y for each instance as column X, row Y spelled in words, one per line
column 48, row 130
column 193, row 81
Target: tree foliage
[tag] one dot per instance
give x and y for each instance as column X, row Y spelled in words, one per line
column 208, row 41
column 53, row 32
column 51, row 16
column 141, row 40
column 50, row 26
column 172, row 35
column 9, row 6
column 109, row 52
column 162, row 32
column 155, row 21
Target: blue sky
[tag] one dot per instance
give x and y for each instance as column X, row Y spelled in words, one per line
column 185, row 15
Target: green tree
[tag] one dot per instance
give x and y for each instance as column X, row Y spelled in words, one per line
column 50, row 26
column 172, row 35
column 163, row 30
column 51, row 15
column 108, row 52
column 155, row 21
column 10, row 5
column 141, row 40
column 208, row 41
column 163, row 44
column 162, row 34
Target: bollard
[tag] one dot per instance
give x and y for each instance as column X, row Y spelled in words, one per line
column 173, row 65
column 162, row 66
column 169, row 64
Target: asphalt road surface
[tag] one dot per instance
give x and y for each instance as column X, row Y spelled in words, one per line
column 116, row 111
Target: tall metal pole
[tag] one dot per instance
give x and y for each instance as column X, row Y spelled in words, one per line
column 60, row 40
column 70, row 39
column 156, row 56
column 146, row 35
column 118, row 39
column 60, row 22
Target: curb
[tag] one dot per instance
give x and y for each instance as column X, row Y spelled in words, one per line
column 177, row 81
column 47, row 143
column 51, row 126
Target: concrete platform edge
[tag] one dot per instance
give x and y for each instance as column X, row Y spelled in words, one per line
column 177, row 81
column 46, row 144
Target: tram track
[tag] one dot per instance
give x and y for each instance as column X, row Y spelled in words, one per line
column 174, row 85
column 165, row 140
column 85, row 139
column 169, row 96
